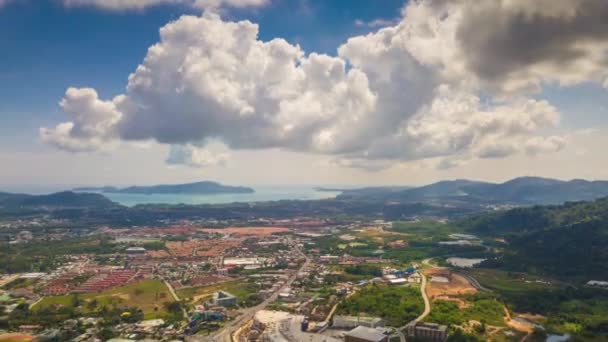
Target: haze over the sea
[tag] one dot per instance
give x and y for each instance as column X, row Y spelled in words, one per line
column 267, row 193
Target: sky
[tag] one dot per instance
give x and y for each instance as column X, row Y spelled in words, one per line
column 307, row 92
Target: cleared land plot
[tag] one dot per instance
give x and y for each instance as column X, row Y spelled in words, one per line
column 148, row 295
column 380, row 235
column 456, row 286
column 457, row 302
column 15, row 337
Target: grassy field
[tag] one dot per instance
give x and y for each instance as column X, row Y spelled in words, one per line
column 148, row 295
column 426, row 228
column 512, row 282
column 352, row 244
column 397, row 304
column 20, row 283
column 480, row 307
column 240, row 289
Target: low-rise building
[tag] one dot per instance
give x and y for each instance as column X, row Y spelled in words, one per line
column 427, row 331
column 397, row 281
column 136, row 251
column 414, row 278
column 242, row 261
column 225, row 299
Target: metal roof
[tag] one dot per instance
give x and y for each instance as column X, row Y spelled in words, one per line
column 366, row 333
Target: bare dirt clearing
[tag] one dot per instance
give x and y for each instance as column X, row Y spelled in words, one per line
column 456, row 286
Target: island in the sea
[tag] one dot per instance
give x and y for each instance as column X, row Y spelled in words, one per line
column 197, row 188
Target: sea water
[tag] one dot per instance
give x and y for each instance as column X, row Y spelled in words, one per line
column 261, row 194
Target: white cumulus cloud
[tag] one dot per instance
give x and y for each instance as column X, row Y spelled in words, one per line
column 409, row 91
column 197, row 157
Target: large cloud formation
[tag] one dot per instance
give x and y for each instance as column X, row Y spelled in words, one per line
column 432, row 85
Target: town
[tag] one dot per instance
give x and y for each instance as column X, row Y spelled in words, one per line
column 301, row 279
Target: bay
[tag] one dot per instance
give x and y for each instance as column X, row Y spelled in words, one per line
column 261, row 194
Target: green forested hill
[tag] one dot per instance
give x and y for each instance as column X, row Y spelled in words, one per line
column 570, row 240
column 64, row 199
column 538, row 218
column 522, row 190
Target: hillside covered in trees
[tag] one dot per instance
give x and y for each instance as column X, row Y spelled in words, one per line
column 568, row 241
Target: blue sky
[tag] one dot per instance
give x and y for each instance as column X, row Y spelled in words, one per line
column 48, row 47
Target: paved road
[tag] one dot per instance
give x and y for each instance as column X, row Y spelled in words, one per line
column 473, row 281
column 427, row 303
column 225, row 335
column 425, row 298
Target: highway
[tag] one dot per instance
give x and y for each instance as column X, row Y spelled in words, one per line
column 225, row 335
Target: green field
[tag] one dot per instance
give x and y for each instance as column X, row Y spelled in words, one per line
column 20, row 283
column 480, row 307
column 503, row 281
column 352, row 244
column 242, row 290
column 148, row 295
column 425, row 228
column 397, row 304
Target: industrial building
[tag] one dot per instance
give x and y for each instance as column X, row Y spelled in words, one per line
column 365, row 334
column 349, row 322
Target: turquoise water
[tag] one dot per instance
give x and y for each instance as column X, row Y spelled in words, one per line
column 261, row 194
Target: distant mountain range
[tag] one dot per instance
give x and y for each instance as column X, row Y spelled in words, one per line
column 462, row 196
column 523, row 190
column 66, row 199
column 198, row 188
